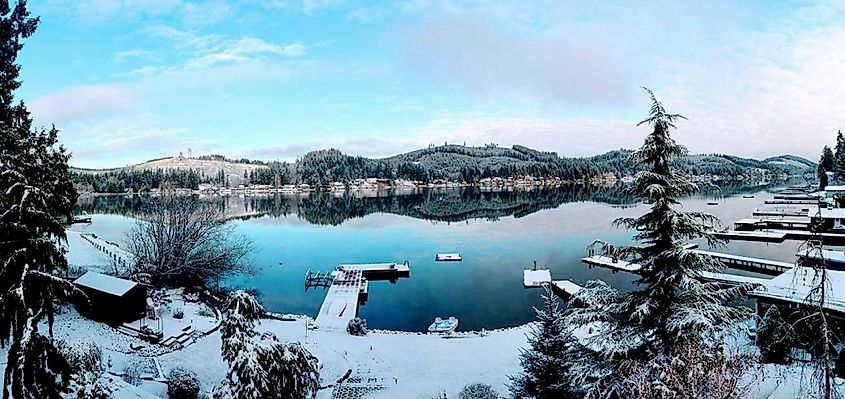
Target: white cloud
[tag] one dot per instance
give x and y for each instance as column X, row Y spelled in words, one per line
column 83, row 102
column 243, row 50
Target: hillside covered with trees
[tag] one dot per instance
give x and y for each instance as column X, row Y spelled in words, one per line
column 447, row 162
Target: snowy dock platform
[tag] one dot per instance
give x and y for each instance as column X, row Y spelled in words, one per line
column 536, row 278
column 782, row 212
column 764, row 266
column 791, row 202
column 448, row 258
column 565, row 289
column 766, row 236
column 767, row 223
column 350, row 284
column 733, row 279
column 797, row 197
column 758, row 265
column 796, row 285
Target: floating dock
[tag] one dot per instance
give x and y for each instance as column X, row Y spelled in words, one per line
column 536, row 278
column 565, row 289
column 621, row 265
column 448, row 258
column 797, row 197
column 765, row 236
column 768, row 223
column 348, row 286
column 763, row 266
column 791, row 202
column 802, row 213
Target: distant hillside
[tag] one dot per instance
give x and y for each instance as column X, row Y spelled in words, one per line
column 446, row 162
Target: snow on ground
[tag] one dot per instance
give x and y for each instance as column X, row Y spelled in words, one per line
column 82, row 255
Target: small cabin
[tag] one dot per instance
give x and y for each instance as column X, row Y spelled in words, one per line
column 111, row 300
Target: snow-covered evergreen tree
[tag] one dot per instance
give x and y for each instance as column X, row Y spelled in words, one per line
column 775, row 337
column 478, row 391
column 642, row 330
column 545, row 371
column 261, row 366
column 35, row 196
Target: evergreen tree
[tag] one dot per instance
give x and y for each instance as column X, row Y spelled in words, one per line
column 672, row 308
column 827, row 159
column 822, row 176
column 775, row 337
column 36, row 197
column 839, row 157
column 260, row 366
column 545, row 371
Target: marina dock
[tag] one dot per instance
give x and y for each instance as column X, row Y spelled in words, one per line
column 791, row 202
column 565, row 289
column 536, row 278
column 800, row 213
column 765, row 236
column 769, row 223
column 349, row 284
column 763, row 266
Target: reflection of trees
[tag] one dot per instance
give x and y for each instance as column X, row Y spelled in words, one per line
column 453, row 205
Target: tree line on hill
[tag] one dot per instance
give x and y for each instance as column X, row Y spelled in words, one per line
column 832, row 163
column 447, row 162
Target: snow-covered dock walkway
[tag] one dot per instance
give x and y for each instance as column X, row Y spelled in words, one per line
column 621, row 265
column 349, row 284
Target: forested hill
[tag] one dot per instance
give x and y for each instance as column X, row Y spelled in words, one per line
column 446, row 162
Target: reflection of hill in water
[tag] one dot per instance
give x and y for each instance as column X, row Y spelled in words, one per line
column 455, row 205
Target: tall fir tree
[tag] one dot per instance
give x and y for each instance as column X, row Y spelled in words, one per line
column 36, row 197
column 545, row 371
column 839, row 157
column 672, row 308
column 827, row 159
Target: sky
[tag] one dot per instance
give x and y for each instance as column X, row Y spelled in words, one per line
column 130, row 80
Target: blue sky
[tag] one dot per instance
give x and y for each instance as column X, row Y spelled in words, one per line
column 130, row 80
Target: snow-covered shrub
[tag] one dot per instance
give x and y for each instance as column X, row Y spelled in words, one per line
column 182, row 384
column 357, row 327
column 205, row 311
column 478, row 391
column 132, row 371
column 178, row 313
column 82, row 356
column 775, row 337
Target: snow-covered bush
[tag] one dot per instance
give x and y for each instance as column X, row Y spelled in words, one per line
column 357, row 327
column 775, row 337
column 82, row 356
column 205, row 311
column 478, row 391
column 132, row 371
column 178, row 313
column 182, row 384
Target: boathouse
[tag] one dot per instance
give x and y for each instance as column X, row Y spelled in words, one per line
column 110, row 299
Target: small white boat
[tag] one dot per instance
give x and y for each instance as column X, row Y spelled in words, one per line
column 448, row 258
column 443, row 326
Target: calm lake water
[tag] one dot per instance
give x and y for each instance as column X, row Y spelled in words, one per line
column 499, row 234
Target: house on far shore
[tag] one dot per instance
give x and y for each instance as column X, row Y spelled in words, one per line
column 111, row 300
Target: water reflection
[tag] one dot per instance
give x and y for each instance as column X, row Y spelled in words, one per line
column 439, row 205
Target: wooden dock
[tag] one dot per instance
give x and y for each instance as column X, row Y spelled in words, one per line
column 769, row 223
column 536, row 278
column 791, row 202
column 801, row 213
column 348, row 286
column 763, row 266
column 742, row 235
column 797, row 197
column 565, row 289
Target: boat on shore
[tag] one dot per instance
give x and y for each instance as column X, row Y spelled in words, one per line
column 443, row 326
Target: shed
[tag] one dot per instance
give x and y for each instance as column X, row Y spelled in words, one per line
column 110, row 299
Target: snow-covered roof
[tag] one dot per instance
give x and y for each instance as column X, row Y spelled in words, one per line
column 831, row 213
column 104, row 283
column 795, row 284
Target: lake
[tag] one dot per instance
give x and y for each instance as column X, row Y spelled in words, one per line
column 498, row 233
